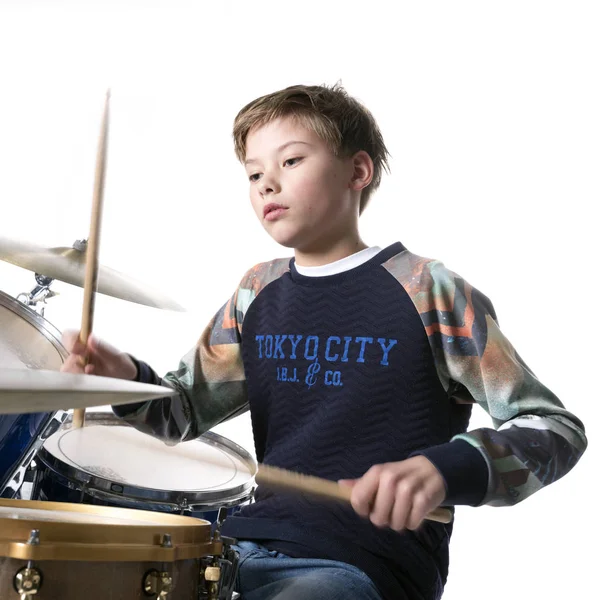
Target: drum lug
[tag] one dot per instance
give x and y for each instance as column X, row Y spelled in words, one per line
column 53, row 426
column 28, row 580
column 12, row 487
column 159, row 583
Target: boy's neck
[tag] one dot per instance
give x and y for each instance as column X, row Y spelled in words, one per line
column 317, row 257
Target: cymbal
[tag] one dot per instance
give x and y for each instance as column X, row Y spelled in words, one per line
column 68, row 265
column 39, row 390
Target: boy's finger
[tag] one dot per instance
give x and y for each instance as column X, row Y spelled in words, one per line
column 89, row 369
column 72, row 364
column 364, row 492
column 100, row 348
column 383, row 504
column 349, row 483
column 70, row 340
column 401, row 513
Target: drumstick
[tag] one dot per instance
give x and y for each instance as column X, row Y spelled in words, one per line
column 91, row 259
column 315, row 486
column 277, row 477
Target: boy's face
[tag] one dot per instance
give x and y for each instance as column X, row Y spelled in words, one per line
column 301, row 192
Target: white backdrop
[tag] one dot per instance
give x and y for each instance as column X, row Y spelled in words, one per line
column 490, row 112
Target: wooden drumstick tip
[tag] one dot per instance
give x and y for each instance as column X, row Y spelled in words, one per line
column 78, row 418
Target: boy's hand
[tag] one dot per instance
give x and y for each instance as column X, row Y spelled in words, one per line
column 399, row 494
column 103, row 359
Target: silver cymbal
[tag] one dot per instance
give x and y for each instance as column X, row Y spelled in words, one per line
column 68, row 265
column 37, row 390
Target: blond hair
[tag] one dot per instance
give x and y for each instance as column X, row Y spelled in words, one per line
column 337, row 118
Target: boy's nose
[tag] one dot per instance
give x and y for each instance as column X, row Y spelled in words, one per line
column 269, row 185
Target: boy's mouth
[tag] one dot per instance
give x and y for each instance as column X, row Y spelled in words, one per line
column 273, row 211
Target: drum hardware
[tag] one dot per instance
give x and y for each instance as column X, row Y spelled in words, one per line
column 28, row 580
column 39, row 294
column 13, row 485
column 159, row 582
column 57, row 420
column 219, row 572
column 82, row 491
column 183, row 505
column 27, row 464
column 42, row 292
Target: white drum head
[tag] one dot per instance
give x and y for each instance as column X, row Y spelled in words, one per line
column 122, row 454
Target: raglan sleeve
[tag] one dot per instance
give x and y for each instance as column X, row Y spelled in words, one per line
column 210, row 381
column 534, row 441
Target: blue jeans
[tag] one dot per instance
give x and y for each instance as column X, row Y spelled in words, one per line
column 268, row 575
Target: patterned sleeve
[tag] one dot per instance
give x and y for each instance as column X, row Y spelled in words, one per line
column 536, row 440
column 210, row 378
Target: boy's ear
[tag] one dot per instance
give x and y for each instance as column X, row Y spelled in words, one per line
column 362, row 173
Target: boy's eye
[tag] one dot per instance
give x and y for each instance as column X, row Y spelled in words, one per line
column 254, row 177
column 292, row 161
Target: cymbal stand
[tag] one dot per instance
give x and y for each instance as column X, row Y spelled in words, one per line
column 41, row 292
column 38, row 294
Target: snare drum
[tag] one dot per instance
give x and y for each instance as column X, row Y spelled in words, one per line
column 62, row 551
column 27, row 341
column 109, row 463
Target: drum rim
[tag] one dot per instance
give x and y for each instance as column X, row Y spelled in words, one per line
column 182, row 499
column 51, row 333
column 72, row 540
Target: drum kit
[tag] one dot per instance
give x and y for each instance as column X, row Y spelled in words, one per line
column 104, row 498
column 106, row 511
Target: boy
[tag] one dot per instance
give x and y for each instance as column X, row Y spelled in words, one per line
column 358, row 364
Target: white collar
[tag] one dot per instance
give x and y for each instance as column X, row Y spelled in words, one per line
column 339, row 266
